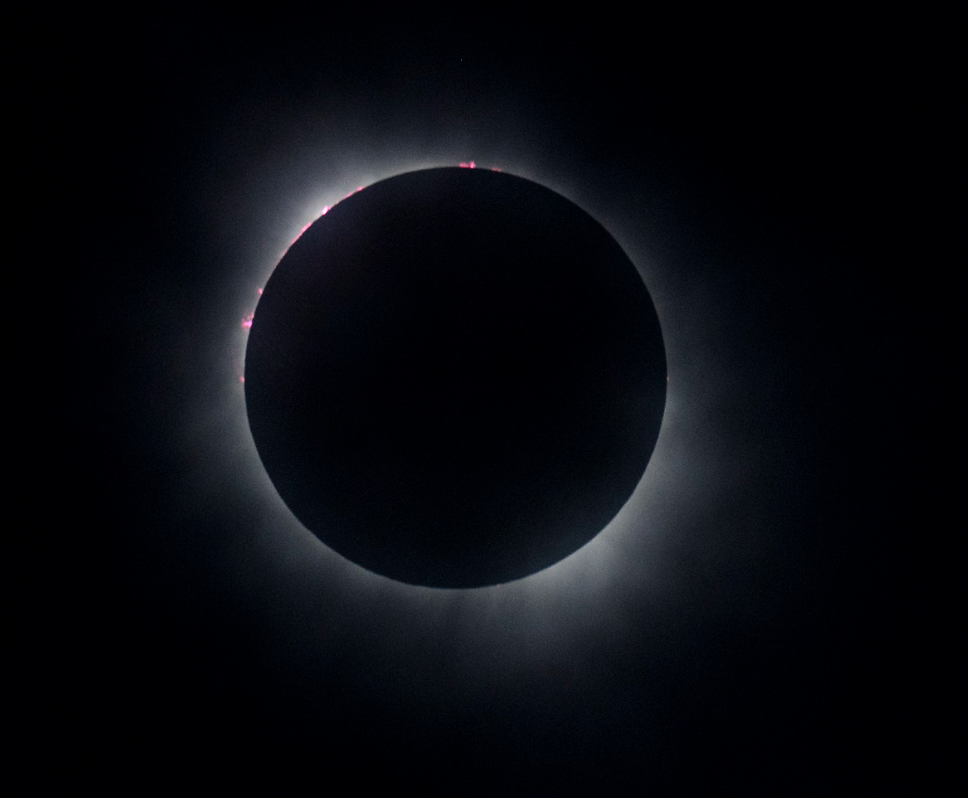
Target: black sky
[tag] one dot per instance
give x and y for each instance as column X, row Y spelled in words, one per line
column 748, row 169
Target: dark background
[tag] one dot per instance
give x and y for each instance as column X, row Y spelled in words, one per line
column 760, row 156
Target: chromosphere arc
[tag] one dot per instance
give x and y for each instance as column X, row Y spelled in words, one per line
column 455, row 378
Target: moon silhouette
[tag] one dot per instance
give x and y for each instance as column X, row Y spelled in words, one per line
column 455, row 377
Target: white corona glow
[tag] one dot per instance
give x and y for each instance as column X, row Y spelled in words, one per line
column 555, row 613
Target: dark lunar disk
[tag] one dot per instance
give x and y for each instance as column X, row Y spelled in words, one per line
column 455, row 378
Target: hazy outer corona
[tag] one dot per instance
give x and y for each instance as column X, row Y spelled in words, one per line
column 455, row 378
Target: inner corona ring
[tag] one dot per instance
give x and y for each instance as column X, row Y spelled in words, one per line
column 455, row 377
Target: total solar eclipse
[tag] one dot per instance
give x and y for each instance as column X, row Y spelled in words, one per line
column 455, row 377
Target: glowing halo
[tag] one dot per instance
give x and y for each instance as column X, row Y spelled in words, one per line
column 559, row 612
